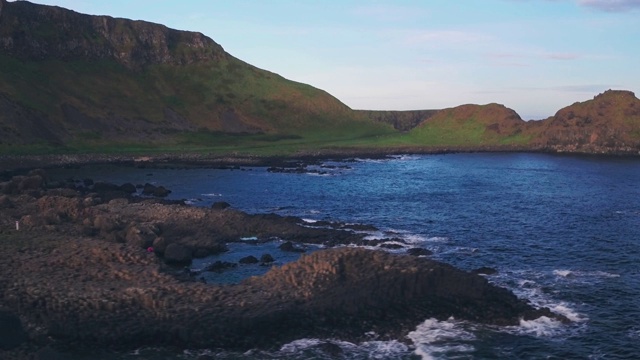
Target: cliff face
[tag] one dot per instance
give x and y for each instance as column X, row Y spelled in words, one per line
column 35, row 32
column 400, row 120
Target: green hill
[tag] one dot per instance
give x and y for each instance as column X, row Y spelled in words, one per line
column 93, row 83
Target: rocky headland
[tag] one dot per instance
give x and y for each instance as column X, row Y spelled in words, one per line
column 79, row 273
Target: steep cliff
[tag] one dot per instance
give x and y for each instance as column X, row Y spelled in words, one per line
column 37, row 32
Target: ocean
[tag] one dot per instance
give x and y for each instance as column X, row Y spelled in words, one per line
column 562, row 231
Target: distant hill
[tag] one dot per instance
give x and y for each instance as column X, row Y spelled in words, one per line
column 610, row 121
column 70, row 79
column 472, row 125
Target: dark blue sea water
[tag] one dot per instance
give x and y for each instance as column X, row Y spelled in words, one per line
column 562, row 231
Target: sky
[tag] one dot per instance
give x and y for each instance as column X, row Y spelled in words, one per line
column 534, row 56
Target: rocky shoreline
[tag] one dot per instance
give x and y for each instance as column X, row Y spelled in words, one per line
column 15, row 164
column 78, row 273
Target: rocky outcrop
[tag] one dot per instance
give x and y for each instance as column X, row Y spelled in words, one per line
column 34, row 32
column 101, row 288
column 608, row 123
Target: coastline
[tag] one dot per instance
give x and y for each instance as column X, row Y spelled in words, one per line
column 15, row 164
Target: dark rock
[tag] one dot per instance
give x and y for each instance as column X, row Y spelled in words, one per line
column 12, row 333
column 266, row 258
column 161, row 191
column 177, row 254
column 485, row 271
column 159, row 245
column 249, row 260
column 289, row 247
column 200, row 253
column 219, row 266
column 391, row 246
column 129, row 188
column 87, row 182
column 419, row 252
column 48, row 353
column 148, row 189
column 220, row 205
column 5, row 202
column 103, row 187
column 331, row 349
column 31, row 183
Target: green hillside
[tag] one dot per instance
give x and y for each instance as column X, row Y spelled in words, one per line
column 185, row 93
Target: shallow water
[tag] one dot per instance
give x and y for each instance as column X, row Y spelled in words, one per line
column 562, row 231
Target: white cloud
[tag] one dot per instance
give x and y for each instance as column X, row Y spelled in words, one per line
column 611, row 5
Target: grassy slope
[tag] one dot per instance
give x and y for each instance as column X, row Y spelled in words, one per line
column 471, row 125
column 290, row 114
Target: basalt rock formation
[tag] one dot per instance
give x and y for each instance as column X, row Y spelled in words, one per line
column 78, row 276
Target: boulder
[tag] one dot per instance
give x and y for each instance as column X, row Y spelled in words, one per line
column 289, row 247
column 200, row 253
column 161, row 191
column 419, row 252
column 129, row 188
column 12, row 333
column 148, row 189
column 391, row 246
column 177, row 254
column 266, row 259
column 219, row 266
column 220, row 205
column 249, row 260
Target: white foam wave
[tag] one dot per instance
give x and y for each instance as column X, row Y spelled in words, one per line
column 540, row 327
column 577, row 274
column 310, row 221
column 369, row 349
column 435, row 339
column 563, row 273
column 212, row 195
column 564, row 309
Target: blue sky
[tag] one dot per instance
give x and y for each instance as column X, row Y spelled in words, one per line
column 534, row 56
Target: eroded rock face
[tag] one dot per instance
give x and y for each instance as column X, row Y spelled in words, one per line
column 74, row 36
